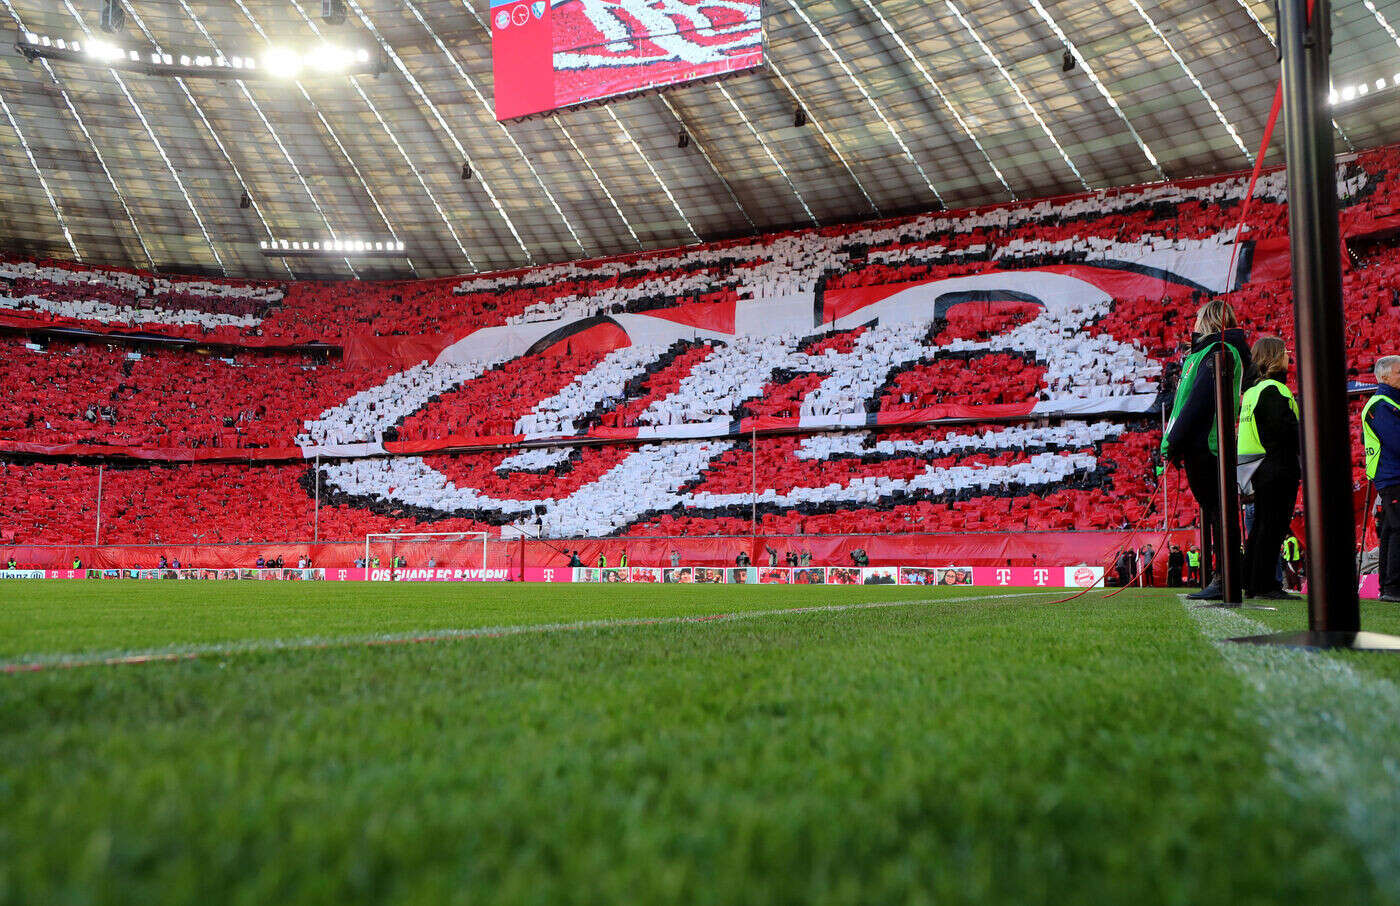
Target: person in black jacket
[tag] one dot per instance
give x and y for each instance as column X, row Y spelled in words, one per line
column 1268, row 444
column 1190, row 441
column 1175, row 561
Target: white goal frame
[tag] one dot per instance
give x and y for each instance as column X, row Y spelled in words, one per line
column 420, row 536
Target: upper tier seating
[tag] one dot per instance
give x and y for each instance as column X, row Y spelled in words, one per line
column 1011, row 235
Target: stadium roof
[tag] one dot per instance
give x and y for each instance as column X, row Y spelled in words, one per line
column 911, row 103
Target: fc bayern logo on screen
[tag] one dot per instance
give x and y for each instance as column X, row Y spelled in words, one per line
column 608, row 47
column 503, row 19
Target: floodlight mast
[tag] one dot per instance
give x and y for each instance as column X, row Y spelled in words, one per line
column 1334, row 612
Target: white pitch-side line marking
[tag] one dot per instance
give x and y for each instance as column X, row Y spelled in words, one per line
column 1331, row 730
column 35, row 663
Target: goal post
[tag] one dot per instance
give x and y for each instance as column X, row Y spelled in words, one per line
column 419, row 549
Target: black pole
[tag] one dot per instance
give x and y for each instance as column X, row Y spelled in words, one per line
column 1229, row 527
column 1203, row 532
column 1333, row 605
column 1334, row 612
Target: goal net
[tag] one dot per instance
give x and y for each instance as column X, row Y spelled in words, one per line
column 425, row 550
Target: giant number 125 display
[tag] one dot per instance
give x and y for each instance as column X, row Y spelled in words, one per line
column 549, row 54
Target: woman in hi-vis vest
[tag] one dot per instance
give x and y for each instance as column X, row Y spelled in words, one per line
column 1189, row 440
column 1268, row 465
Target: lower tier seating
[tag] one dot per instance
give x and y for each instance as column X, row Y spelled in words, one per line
column 987, row 478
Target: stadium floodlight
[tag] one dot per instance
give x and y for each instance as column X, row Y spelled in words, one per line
column 277, row 62
column 332, row 248
column 329, row 58
column 282, row 63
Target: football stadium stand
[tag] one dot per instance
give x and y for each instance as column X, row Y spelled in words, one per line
column 988, row 371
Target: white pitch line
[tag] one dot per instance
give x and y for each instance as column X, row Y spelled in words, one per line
column 39, row 662
column 1331, row 731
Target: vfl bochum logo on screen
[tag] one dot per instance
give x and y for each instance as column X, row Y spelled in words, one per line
column 538, row 9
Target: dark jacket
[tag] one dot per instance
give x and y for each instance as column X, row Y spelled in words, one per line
column 1189, row 436
column 1385, row 421
column 1278, row 432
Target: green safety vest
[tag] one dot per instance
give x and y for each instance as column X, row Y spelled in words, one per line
column 1189, row 369
column 1193, row 559
column 1368, row 436
column 1249, row 442
column 622, row 564
column 1290, row 549
column 602, row 561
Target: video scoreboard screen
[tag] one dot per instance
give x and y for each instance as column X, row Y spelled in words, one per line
column 550, row 54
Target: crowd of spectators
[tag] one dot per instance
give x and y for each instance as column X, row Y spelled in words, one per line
column 1057, row 475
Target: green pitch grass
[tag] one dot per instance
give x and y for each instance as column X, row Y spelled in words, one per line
column 935, row 751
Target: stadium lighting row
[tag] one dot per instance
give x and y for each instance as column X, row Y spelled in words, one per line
column 287, row 248
column 1349, row 93
column 275, row 62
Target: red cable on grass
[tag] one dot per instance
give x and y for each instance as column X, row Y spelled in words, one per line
column 1166, row 534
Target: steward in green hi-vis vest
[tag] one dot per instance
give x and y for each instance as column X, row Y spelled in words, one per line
column 1369, row 436
column 1193, row 559
column 1291, row 552
column 1249, row 442
column 1190, row 373
column 1250, row 448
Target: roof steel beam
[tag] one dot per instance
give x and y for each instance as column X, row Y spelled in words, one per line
column 840, row 61
column 1264, row 30
column 82, row 127
column 607, row 108
column 490, row 112
column 393, row 139
column 301, row 87
column 43, row 183
column 558, row 121
column 441, row 121
column 1025, row 102
column 812, row 118
column 768, row 151
column 1098, row 85
column 257, row 208
column 257, row 109
column 699, row 146
column 160, row 149
column 1219, row 114
column 948, row 105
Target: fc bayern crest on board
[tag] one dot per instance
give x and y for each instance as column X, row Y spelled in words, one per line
column 1081, row 371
